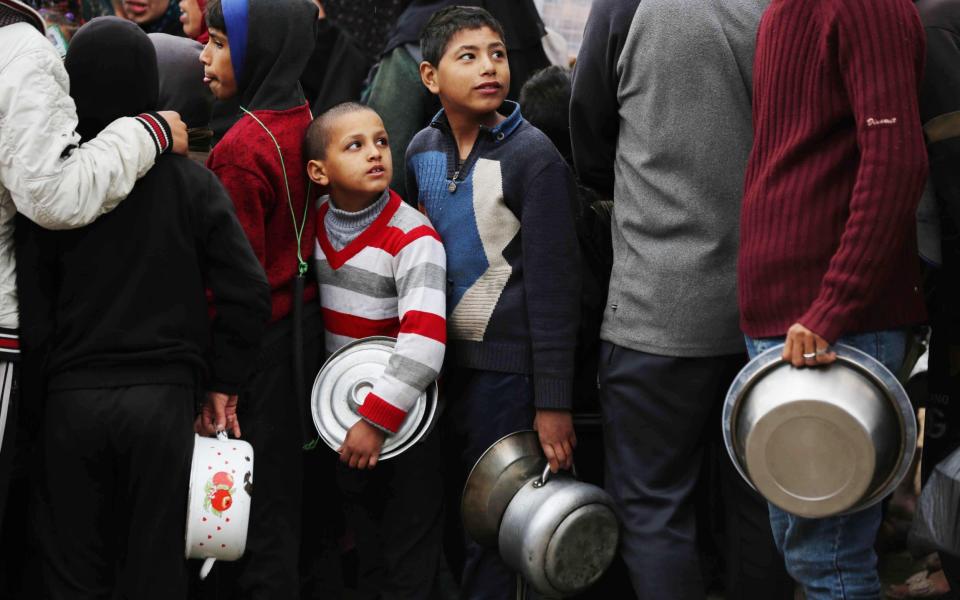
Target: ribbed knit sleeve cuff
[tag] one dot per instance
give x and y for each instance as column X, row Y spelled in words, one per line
column 823, row 321
column 552, row 393
column 381, row 413
column 229, row 389
column 159, row 130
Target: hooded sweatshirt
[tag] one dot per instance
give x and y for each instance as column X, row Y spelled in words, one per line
column 270, row 43
column 122, row 301
column 182, row 88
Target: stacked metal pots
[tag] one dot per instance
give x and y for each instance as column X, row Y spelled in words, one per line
column 820, row 441
column 558, row 533
column 344, row 382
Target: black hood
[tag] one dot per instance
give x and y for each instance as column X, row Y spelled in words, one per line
column 270, row 44
column 522, row 26
column 414, row 17
column 113, row 73
column 181, row 79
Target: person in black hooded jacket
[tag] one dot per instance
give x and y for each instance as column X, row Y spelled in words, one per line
column 256, row 54
column 115, row 316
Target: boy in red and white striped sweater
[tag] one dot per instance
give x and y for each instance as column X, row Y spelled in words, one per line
column 382, row 271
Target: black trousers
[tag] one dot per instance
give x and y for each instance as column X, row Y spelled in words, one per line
column 659, row 416
column 396, row 514
column 111, row 497
column 9, row 405
column 272, row 420
column 482, row 407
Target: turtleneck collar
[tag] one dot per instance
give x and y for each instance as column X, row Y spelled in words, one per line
column 343, row 227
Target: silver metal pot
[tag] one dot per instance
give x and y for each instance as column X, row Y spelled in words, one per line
column 819, row 441
column 558, row 533
column 343, row 384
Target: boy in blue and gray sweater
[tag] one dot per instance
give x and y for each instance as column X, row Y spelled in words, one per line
column 502, row 199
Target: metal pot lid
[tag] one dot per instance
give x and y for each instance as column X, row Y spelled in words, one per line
column 822, row 431
column 343, row 384
column 503, row 469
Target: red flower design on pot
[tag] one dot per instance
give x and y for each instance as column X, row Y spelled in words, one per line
column 218, row 493
column 221, row 500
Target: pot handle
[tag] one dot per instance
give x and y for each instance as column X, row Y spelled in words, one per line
column 205, row 569
column 545, row 476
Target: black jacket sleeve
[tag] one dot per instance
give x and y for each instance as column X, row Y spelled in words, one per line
column 37, row 290
column 241, row 294
column 939, row 95
column 594, row 111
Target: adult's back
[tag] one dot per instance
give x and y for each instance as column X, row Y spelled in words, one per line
column 684, row 84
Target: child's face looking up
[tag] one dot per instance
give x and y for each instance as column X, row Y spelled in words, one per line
column 358, row 166
column 217, row 67
column 473, row 75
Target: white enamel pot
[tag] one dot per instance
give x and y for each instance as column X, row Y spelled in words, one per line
column 218, row 509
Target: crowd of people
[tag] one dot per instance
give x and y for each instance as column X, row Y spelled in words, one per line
column 203, row 200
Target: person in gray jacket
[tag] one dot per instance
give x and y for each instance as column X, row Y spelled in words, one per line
column 662, row 88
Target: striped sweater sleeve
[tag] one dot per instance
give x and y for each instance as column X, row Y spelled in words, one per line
column 420, row 268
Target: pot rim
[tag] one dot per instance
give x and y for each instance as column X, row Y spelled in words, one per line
column 477, row 527
column 879, row 375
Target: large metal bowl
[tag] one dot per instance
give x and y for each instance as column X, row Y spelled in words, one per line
column 819, row 441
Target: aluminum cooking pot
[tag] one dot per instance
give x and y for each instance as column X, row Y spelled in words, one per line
column 558, row 533
column 819, row 441
column 343, row 384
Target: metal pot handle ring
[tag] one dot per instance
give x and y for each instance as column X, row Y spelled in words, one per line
column 545, row 476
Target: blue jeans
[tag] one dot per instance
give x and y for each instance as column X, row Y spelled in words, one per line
column 833, row 558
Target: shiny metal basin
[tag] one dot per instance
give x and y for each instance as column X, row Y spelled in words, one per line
column 819, row 441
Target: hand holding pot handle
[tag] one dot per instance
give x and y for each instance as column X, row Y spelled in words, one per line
column 557, row 438
column 219, row 413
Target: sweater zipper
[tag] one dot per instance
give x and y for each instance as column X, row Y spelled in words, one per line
column 459, row 167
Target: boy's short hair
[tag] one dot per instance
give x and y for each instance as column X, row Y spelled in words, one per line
column 213, row 15
column 318, row 133
column 444, row 24
column 545, row 102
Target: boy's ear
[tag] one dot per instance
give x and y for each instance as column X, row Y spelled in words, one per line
column 428, row 76
column 317, row 172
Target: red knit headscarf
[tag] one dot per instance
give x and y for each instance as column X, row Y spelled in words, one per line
column 204, row 34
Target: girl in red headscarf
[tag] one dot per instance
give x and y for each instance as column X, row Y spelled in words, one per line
column 191, row 15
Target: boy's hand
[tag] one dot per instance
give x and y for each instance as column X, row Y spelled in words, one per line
column 361, row 448
column 178, row 130
column 804, row 348
column 555, row 428
column 219, row 413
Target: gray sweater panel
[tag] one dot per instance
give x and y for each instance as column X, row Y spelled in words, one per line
column 685, row 135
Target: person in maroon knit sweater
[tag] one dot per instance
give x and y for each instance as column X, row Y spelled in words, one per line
column 256, row 53
column 827, row 238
